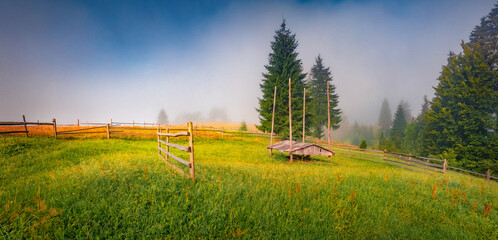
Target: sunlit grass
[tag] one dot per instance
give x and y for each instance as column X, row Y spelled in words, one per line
column 53, row 188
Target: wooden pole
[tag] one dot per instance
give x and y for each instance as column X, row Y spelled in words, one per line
column 133, row 123
column 55, row 127
column 78, row 122
column 488, row 175
column 273, row 118
column 159, row 138
column 444, row 167
column 25, row 126
column 111, row 121
column 290, row 121
column 304, row 112
column 328, row 115
column 167, row 140
column 191, row 144
column 107, row 130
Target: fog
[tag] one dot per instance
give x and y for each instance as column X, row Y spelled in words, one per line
column 63, row 60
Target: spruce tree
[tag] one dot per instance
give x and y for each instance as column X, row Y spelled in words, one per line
column 397, row 132
column 462, row 122
column 162, row 118
column 385, row 117
column 282, row 65
column 414, row 134
column 486, row 35
column 363, row 144
column 317, row 85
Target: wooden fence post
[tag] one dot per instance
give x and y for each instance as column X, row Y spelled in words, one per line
column 167, row 140
column 304, row 112
column 158, row 138
column 290, row 122
column 328, row 115
column 78, row 122
column 55, row 127
column 273, row 118
column 107, row 130
column 488, row 175
column 25, row 126
column 444, row 167
column 191, row 144
column 133, row 123
column 111, row 121
column 410, row 159
column 384, row 158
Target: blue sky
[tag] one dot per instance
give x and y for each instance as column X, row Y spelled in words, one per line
column 96, row 60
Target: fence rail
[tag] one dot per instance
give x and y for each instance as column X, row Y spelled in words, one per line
column 190, row 149
column 403, row 160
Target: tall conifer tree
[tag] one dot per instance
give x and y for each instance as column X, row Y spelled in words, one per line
column 462, row 123
column 385, row 117
column 397, row 132
column 317, row 85
column 282, row 65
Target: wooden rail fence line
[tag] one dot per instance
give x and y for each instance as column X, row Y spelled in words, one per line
column 407, row 161
column 167, row 153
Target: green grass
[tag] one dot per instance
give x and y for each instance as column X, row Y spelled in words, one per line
column 118, row 188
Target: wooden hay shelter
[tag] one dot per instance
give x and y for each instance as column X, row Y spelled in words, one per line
column 301, row 148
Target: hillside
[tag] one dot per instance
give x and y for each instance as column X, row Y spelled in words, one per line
column 117, row 188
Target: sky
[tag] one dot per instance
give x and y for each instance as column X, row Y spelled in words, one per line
column 127, row 60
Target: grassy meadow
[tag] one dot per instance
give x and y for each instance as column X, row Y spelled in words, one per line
column 119, row 188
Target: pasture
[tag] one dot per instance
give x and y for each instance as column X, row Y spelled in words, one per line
column 119, row 188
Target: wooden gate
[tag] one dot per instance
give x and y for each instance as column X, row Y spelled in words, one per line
column 189, row 148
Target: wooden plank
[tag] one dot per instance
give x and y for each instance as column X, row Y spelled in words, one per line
column 175, row 157
column 413, row 165
column 135, row 128
column 133, row 134
column 431, row 159
column 67, row 133
column 10, row 123
column 37, row 123
column 173, row 166
column 79, row 130
column 12, row 132
column 427, row 164
column 407, row 168
column 484, row 175
column 174, row 134
column 180, row 147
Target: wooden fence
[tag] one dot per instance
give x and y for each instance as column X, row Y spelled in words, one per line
column 167, row 144
column 112, row 128
column 25, row 124
column 407, row 161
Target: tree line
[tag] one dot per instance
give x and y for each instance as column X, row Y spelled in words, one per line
column 459, row 124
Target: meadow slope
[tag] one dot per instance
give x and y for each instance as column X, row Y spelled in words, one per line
column 117, row 188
